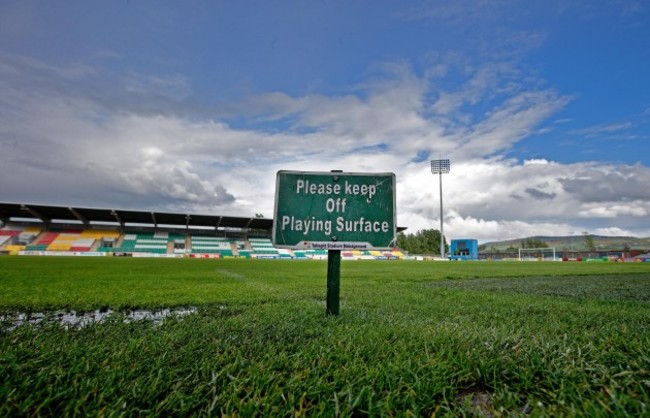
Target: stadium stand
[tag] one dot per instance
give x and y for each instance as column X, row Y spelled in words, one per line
column 211, row 245
column 28, row 235
column 372, row 255
column 96, row 239
column 14, row 238
column 300, row 254
column 13, row 249
column 57, row 230
column 284, row 253
column 246, row 253
column 154, row 243
column 263, row 248
column 62, row 241
column 6, row 236
column 65, row 240
column 396, row 254
column 44, row 241
column 316, row 254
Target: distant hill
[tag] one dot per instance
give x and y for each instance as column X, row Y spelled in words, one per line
column 574, row 243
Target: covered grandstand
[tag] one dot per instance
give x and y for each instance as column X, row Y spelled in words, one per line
column 30, row 229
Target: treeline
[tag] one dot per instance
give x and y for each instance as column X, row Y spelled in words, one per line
column 524, row 243
column 562, row 243
column 426, row 241
column 533, row 243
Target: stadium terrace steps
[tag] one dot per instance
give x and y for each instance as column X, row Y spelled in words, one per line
column 100, row 234
column 211, row 245
column 77, row 241
column 14, row 249
column 36, row 247
column 16, row 238
column 63, row 241
column 372, row 255
column 6, row 236
column 246, row 253
column 47, row 238
column 143, row 243
column 85, row 240
column 264, row 247
column 155, row 243
column 28, row 235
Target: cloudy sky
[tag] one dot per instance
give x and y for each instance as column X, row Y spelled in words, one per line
column 543, row 107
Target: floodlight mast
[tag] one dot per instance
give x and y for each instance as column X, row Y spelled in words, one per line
column 441, row 167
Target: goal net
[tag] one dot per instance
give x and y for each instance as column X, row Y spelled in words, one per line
column 537, row 254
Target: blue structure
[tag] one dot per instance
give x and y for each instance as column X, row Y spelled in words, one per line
column 463, row 249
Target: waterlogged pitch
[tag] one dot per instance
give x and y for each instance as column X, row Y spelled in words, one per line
column 413, row 339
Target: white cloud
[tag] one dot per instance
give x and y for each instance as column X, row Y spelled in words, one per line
column 595, row 131
column 173, row 86
column 456, row 13
column 73, row 146
column 614, row 210
column 508, row 123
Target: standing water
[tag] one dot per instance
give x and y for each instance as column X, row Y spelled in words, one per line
column 72, row 319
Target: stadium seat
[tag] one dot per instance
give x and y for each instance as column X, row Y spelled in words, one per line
column 152, row 243
column 263, row 247
column 14, row 249
column 211, row 245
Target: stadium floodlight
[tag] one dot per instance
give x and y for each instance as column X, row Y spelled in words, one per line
column 441, row 167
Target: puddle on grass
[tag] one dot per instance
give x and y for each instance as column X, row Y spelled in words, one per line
column 72, row 319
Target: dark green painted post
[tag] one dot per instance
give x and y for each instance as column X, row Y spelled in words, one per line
column 333, row 274
column 333, row 281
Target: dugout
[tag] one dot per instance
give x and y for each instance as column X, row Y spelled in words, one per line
column 463, row 249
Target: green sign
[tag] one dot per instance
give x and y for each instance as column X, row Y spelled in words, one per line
column 334, row 210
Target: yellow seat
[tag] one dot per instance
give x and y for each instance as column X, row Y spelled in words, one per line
column 59, row 246
column 13, row 249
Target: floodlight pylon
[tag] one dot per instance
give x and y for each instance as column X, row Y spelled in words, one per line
column 441, row 167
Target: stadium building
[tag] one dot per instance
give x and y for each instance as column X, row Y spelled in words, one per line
column 57, row 230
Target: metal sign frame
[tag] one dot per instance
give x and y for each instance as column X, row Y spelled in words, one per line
column 334, row 210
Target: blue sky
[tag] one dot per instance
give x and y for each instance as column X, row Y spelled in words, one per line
column 542, row 106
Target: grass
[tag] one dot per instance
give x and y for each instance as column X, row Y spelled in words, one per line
column 413, row 339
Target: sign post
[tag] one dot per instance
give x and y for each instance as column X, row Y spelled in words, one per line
column 333, row 282
column 334, row 211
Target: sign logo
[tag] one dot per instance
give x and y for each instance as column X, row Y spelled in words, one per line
column 334, row 210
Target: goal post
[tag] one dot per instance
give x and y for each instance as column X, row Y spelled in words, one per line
column 537, row 254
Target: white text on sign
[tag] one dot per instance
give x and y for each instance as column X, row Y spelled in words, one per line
column 307, row 187
column 342, row 225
